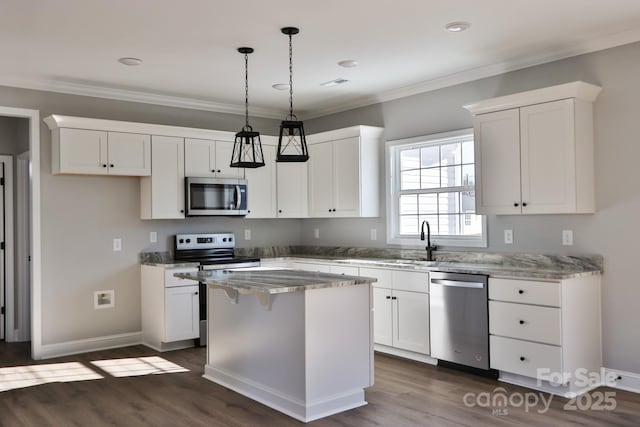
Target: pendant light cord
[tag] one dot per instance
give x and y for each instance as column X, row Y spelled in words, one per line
column 246, row 90
column 291, row 77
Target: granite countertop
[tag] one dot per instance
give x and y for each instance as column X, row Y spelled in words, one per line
column 273, row 281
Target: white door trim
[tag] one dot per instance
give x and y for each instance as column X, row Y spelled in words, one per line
column 36, row 250
column 22, row 274
column 10, row 332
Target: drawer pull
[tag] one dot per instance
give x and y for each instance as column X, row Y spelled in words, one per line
column 522, row 322
column 388, row 297
column 522, row 358
column 520, row 291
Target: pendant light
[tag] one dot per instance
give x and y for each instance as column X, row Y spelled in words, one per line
column 247, row 149
column 292, row 143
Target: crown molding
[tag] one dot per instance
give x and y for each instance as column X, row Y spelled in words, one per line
column 610, row 41
column 137, row 96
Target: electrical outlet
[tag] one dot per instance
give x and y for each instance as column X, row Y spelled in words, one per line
column 567, row 237
column 247, row 234
column 104, row 299
column 373, row 234
column 117, row 245
column 316, row 233
column 508, row 237
column 153, row 237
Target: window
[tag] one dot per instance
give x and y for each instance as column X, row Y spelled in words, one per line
column 432, row 178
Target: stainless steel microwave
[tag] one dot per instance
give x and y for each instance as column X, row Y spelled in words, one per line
column 215, row 196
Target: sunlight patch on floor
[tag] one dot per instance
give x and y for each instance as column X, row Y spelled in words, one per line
column 136, row 366
column 27, row 376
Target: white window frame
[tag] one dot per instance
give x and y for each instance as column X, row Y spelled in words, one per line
column 393, row 185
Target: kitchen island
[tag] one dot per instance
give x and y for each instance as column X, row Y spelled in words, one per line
column 299, row 342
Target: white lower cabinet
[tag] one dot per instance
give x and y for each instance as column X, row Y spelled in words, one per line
column 170, row 308
column 401, row 311
column 541, row 331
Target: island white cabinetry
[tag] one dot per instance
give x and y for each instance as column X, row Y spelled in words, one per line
column 207, row 158
column 344, row 172
column 546, row 330
column 401, row 312
column 162, row 194
column 94, row 152
column 535, row 151
column 170, row 308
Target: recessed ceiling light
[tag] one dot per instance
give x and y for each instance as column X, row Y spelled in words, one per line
column 456, row 27
column 334, row 82
column 281, row 86
column 348, row 63
column 130, row 61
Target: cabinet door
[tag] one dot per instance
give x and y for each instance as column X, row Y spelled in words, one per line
column 199, row 157
column 291, row 179
column 129, row 154
column 83, row 151
column 224, row 150
column 181, row 313
column 548, row 158
column 411, row 321
column 346, row 177
column 497, row 142
column 321, row 176
column 261, row 183
column 382, row 319
column 167, row 178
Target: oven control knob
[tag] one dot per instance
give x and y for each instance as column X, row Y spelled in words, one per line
column 224, row 239
column 231, row 239
column 188, row 240
column 181, row 240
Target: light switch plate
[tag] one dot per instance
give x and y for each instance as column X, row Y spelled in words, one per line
column 117, row 245
column 316, row 233
column 153, row 237
column 567, row 237
column 508, row 237
column 247, row 234
column 374, row 234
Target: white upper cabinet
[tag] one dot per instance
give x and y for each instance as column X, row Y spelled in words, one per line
column 207, row 158
column 162, row 194
column 291, row 179
column 534, row 151
column 344, row 172
column 94, row 152
column 261, row 183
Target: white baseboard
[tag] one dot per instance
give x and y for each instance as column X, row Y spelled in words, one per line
column 170, row 346
column 405, row 354
column 47, row 351
column 289, row 405
column 622, row 380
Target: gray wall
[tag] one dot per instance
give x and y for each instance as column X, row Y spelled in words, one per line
column 611, row 232
column 14, row 135
column 82, row 214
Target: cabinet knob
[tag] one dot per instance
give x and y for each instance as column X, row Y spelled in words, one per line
column 524, row 204
column 195, row 293
column 249, row 211
column 279, row 210
column 516, row 204
column 329, row 210
column 213, row 171
column 522, row 358
column 111, row 165
column 333, row 210
column 219, row 171
column 181, row 210
column 394, row 297
column 522, row 322
column 104, row 165
column 520, row 291
column 388, row 297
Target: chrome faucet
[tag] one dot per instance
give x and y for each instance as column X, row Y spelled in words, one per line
column 428, row 248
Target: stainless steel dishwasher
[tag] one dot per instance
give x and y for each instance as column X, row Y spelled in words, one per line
column 459, row 319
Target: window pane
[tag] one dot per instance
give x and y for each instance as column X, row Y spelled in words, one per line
column 467, row 152
column 408, row 204
column 449, row 203
column 431, row 178
column 451, row 176
column 433, row 223
column 449, row 225
column 471, row 225
column 408, row 224
column 468, row 202
column 410, row 180
column 468, row 175
column 428, row 203
column 451, row 154
column 430, row 157
column 410, row 159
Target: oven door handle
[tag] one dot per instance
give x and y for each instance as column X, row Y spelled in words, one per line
column 238, row 200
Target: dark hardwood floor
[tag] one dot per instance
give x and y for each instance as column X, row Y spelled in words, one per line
column 405, row 394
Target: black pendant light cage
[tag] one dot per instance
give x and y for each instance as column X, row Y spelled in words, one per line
column 292, row 141
column 247, row 147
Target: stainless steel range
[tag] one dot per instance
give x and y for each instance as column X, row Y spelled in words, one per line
column 214, row 251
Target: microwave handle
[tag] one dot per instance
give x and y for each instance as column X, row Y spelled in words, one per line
column 238, row 200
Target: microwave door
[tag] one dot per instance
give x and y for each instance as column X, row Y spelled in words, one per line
column 238, row 198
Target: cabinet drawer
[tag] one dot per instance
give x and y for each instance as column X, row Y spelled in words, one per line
column 321, row 268
column 527, row 322
column 344, row 269
column 522, row 357
column 170, row 280
column 410, row 281
column 525, row 291
column 383, row 276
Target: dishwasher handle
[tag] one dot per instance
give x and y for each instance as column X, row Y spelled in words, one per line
column 458, row 283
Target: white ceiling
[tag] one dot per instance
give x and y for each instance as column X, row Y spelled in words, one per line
column 190, row 58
